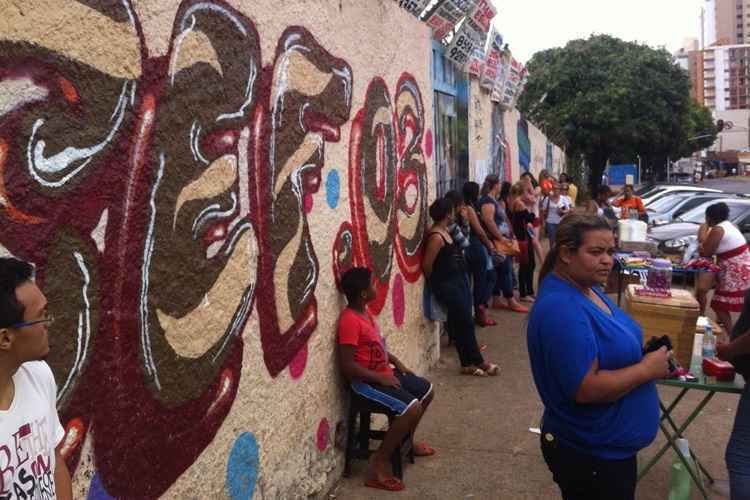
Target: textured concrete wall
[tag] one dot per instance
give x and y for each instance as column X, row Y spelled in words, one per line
column 190, row 177
column 491, row 130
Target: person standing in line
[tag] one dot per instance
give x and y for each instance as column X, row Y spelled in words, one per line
column 718, row 236
column 29, row 423
column 522, row 221
column 572, row 188
column 497, row 225
column 479, row 256
column 554, row 208
column 444, row 268
column 533, row 200
column 600, row 401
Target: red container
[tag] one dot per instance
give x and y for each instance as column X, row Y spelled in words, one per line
column 722, row 370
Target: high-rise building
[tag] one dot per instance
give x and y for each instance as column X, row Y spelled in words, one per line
column 726, row 22
column 726, row 77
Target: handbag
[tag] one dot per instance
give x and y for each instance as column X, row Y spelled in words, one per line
column 507, row 247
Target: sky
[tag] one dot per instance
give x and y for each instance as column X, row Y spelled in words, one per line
column 529, row 26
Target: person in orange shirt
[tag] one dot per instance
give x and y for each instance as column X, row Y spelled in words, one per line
column 630, row 202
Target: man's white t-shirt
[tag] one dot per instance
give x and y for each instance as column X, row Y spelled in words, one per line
column 30, row 430
column 553, row 217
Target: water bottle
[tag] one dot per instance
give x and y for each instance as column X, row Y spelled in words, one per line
column 680, row 484
column 709, row 343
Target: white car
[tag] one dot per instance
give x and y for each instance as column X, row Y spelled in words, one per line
column 661, row 191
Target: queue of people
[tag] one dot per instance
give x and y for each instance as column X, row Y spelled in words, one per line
column 601, row 405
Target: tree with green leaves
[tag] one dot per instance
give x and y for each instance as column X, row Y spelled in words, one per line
column 607, row 99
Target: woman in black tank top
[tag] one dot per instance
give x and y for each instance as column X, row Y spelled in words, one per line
column 445, row 269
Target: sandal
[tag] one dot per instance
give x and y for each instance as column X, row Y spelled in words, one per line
column 491, row 369
column 473, row 371
column 519, row 309
column 423, row 450
column 388, row 484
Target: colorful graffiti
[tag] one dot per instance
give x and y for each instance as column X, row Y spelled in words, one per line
column 387, row 189
column 153, row 194
column 164, row 198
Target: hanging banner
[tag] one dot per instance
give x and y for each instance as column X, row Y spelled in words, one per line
column 460, row 48
column 475, row 66
column 448, row 15
column 414, row 7
column 496, row 39
column 503, row 70
column 489, row 74
column 482, row 15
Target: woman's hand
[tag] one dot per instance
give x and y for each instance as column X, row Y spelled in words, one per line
column 725, row 351
column 656, row 364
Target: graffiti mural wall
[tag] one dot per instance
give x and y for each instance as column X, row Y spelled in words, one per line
column 190, row 178
column 504, row 143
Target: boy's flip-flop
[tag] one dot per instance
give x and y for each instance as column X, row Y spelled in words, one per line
column 423, row 450
column 388, row 484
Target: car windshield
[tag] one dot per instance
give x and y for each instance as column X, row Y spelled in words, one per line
column 644, row 190
column 698, row 214
column 691, row 202
column 667, row 203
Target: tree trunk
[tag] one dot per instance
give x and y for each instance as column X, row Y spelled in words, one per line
column 596, row 164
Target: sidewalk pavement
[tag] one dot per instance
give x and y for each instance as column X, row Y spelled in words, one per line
column 480, row 429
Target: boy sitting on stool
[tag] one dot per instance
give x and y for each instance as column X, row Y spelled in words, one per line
column 366, row 363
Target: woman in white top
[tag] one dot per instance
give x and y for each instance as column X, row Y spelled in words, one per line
column 554, row 208
column 718, row 236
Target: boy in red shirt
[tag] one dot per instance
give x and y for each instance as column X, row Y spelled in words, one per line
column 379, row 376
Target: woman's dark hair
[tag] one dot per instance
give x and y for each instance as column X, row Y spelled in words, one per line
column 455, row 197
column 490, row 182
column 505, row 190
column 13, row 273
column 471, row 193
column 717, row 213
column 355, row 281
column 440, row 209
column 564, row 177
column 570, row 234
column 531, row 178
column 604, row 190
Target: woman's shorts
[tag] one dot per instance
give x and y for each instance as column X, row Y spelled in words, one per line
column 395, row 399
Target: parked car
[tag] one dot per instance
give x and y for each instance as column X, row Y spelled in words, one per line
column 679, row 239
column 664, row 191
column 654, row 192
column 664, row 210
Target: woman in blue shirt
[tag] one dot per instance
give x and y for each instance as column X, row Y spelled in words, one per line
column 600, row 401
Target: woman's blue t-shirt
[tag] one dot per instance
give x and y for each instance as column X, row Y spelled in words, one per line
column 566, row 333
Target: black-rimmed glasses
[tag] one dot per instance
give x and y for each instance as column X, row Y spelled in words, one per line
column 48, row 319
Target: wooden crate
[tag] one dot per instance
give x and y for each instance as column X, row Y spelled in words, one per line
column 675, row 316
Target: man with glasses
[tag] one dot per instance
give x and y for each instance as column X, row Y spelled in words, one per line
column 31, row 435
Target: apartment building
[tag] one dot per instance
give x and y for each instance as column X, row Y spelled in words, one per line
column 726, row 77
column 726, row 22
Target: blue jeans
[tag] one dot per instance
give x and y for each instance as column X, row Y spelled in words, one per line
column 455, row 297
column 476, row 256
column 504, row 284
column 552, row 233
column 738, row 450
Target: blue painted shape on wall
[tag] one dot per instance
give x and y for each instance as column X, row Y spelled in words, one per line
column 242, row 467
column 333, row 187
column 97, row 491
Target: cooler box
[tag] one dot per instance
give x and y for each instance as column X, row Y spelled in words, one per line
column 674, row 316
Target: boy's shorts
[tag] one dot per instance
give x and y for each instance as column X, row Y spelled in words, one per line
column 395, row 399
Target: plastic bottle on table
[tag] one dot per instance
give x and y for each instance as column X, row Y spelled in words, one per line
column 709, row 343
